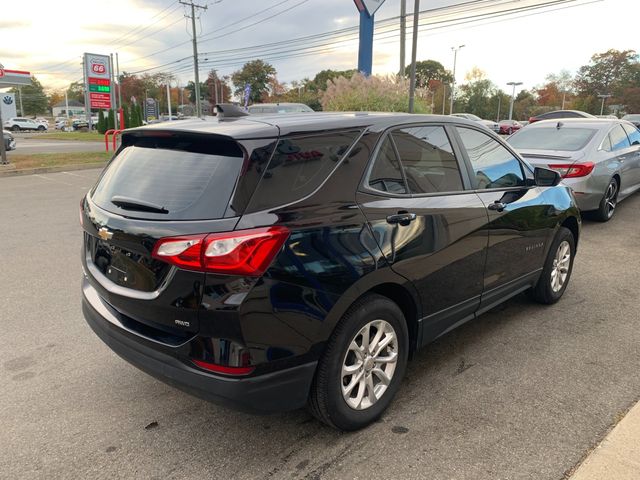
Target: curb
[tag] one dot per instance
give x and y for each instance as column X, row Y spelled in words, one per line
column 14, row 172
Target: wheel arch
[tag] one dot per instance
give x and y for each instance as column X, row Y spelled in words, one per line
column 571, row 223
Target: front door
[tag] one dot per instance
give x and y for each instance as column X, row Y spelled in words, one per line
column 431, row 230
column 520, row 217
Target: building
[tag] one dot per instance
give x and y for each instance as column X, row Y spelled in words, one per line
column 75, row 109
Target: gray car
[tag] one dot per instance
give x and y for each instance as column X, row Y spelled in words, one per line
column 9, row 140
column 598, row 158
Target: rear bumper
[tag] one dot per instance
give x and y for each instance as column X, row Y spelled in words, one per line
column 273, row 392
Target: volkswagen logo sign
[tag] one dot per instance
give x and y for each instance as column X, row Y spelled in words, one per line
column 7, row 99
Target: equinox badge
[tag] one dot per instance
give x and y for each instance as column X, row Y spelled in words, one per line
column 105, row 234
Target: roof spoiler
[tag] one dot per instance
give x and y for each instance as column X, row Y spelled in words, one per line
column 229, row 110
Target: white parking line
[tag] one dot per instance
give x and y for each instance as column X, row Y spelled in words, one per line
column 53, row 180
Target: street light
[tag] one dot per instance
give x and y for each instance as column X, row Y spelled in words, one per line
column 603, row 97
column 513, row 93
column 453, row 85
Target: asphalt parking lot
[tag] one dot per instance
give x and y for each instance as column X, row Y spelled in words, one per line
column 522, row 393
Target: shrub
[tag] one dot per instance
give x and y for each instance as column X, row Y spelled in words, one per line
column 374, row 94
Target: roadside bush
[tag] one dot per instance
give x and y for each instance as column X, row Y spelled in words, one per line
column 374, row 94
column 111, row 120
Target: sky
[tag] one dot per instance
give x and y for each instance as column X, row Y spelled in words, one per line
column 48, row 38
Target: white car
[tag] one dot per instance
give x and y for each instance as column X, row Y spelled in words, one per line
column 42, row 121
column 486, row 123
column 17, row 124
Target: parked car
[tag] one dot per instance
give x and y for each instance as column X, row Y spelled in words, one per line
column 42, row 121
column 560, row 114
column 9, row 140
column 507, row 127
column 633, row 118
column 79, row 124
column 18, row 123
column 269, row 108
column 598, row 158
column 486, row 123
column 301, row 259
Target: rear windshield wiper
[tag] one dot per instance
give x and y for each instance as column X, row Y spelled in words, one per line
column 129, row 203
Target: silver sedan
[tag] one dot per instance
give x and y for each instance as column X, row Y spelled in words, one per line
column 598, row 158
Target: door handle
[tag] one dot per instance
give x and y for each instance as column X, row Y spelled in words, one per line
column 497, row 205
column 402, row 218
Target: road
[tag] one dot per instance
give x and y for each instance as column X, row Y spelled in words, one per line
column 521, row 393
column 35, row 145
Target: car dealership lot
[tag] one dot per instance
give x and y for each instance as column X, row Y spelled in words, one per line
column 523, row 392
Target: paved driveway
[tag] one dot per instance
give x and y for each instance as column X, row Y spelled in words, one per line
column 523, row 392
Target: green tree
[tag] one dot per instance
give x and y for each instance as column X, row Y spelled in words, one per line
column 475, row 96
column 319, row 82
column 111, row 123
column 76, row 92
column 428, row 70
column 102, row 124
column 258, row 74
column 34, row 100
column 608, row 73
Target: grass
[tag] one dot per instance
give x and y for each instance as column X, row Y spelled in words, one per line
column 85, row 136
column 38, row 160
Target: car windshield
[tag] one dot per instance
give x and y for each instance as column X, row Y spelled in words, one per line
column 569, row 139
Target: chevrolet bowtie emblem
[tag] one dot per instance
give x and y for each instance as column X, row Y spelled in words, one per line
column 105, row 234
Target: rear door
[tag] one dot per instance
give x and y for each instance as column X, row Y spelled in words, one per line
column 520, row 225
column 159, row 185
column 631, row 157
column 431, row 230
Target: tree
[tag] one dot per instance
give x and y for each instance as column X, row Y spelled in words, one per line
column 102, row 124
column 205, row 92
column 258, row 74
column 54, row 98
column 608, row 73
column 76, row 92
column 34, row 100
column 320, row 81
column 127, row 118
column 475, row 96
column 111, row 122
column 217, row 88
column 428, row 70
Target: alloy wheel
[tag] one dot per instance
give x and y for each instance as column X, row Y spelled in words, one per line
column 369, row 364
column 611, row 198
column 560, row 268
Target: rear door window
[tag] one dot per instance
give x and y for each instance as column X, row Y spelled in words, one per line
column 494, row 166
column 299, row 165
column 386, row 175
column 633, row 133
column 428, row 161
column 618, row 138
column 190, row 178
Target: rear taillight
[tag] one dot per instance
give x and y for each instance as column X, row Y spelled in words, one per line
column 573, row 170
column 243, row 252
column 214, row 367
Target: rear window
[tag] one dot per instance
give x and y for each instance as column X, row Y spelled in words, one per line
column 300, row 164
column 188, row 178
column 563, row 138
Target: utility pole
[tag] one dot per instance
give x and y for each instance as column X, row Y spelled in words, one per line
column 403, row 33
column 20, row 96
column 444, row 96
column 603, row 97
column 119, row 89
column 453, row 85
column 414, row 47
column 114, row 106
column 513, row 93
column 195, row 51
column 169, row 97
column 499, row 105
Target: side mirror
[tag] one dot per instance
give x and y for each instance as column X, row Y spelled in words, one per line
column 545, row 177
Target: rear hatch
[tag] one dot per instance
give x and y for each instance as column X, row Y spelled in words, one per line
column 160, row 184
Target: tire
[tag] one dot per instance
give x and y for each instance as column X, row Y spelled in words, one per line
column 15, row 128
column 330, row 399
column 551, row 285
column 41, row 128
column 609, row 202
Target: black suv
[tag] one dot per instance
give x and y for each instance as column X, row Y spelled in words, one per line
column 273, row 262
